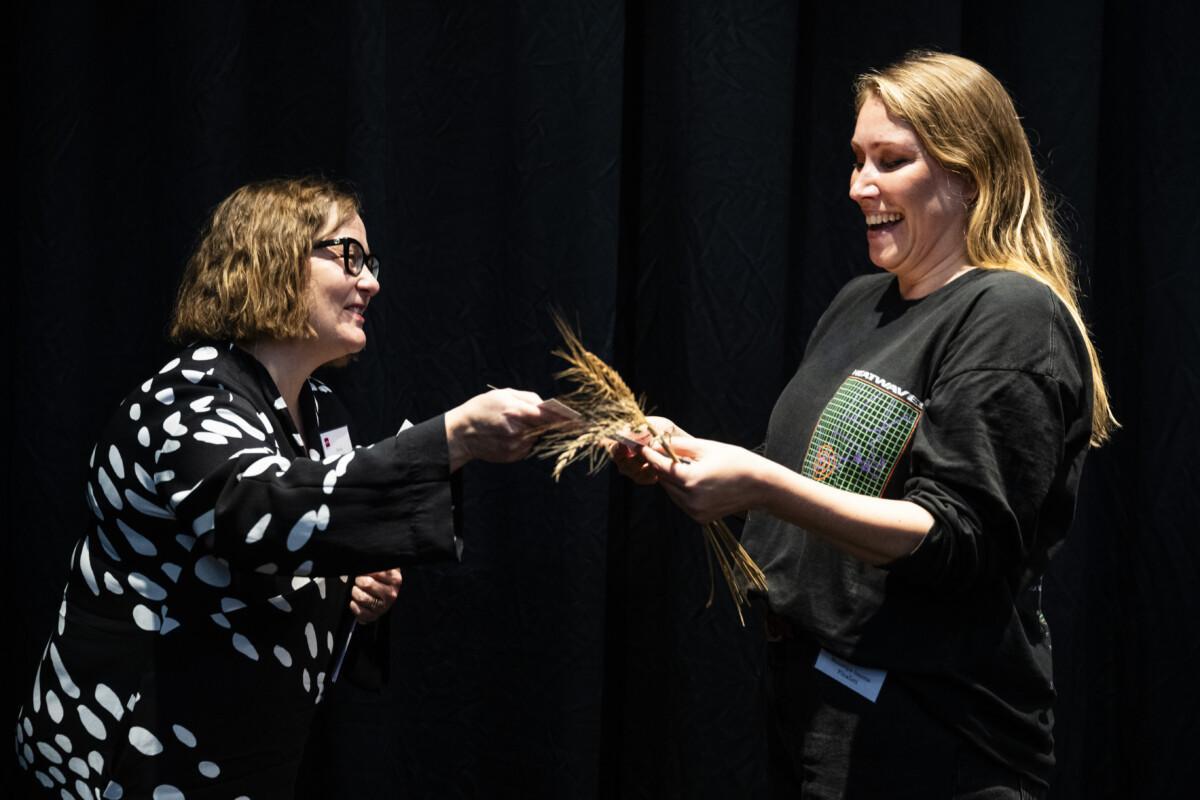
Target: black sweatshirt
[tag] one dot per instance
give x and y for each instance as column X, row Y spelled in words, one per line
column 974, row 402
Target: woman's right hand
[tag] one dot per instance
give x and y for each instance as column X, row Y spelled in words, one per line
column 496, row 426
column 630, row 463
column 711, row 479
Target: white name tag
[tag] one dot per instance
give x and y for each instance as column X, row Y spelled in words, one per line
column 336, row 442
column 863, row 680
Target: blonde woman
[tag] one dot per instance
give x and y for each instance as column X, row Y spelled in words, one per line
column 201, row 621
column 922, row 465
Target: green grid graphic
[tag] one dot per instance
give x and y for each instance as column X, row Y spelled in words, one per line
column 859, row 438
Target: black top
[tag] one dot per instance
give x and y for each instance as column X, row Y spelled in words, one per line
column 974, row 402
column 199, row 626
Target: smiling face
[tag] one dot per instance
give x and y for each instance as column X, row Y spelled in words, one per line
column 338, row 301
column 916, row 210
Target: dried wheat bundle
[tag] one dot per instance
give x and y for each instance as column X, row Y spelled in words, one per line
column 609, row 411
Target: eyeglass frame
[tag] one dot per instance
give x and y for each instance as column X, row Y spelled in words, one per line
column 369, row 261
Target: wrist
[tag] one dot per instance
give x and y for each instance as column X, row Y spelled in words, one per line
column 764, row 482
column 457, row 425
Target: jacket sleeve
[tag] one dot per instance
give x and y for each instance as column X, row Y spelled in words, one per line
column 221, row 473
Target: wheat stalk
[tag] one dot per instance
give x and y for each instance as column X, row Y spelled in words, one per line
column 607, row 407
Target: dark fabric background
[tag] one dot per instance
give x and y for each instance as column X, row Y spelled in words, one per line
column 673, row 175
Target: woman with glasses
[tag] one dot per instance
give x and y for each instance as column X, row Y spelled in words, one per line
column 235, row 528
column 922, row 465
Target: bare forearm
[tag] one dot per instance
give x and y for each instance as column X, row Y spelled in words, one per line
column 713, row 480
column 872, row 529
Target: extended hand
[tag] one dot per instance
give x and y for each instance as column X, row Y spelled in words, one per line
column 496, row 426
column 372, row 595
column 716, row 480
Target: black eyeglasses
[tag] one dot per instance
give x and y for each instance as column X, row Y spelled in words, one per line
column 354, row 256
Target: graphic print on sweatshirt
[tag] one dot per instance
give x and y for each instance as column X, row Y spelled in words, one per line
column 861, row 434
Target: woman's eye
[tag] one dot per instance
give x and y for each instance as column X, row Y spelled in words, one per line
column 855, row 166
column 895, row 163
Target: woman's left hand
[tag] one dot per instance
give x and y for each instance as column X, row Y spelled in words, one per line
column 717, row 479
column 372, row 595
column 629, row 462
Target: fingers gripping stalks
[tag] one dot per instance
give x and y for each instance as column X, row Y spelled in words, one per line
column 608, row 412
column 738, row 569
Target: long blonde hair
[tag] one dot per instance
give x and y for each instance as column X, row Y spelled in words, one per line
column 966, row 120
column 248, row 278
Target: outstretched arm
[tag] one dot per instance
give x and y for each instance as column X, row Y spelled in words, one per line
column 722, row 479
column 494, row 426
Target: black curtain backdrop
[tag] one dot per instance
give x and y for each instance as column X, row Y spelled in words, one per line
column 673, row 175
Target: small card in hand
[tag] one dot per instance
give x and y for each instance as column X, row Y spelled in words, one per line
column 629, row 441
column 569, row 415
column 561, row 409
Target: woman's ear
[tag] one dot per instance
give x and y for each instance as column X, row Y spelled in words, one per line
column 970, row 190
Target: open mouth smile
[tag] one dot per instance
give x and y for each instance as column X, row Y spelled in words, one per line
column 883, row 222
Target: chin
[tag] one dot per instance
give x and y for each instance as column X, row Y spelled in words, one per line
column 350, row 352
column 884, row 262
column 344, row 361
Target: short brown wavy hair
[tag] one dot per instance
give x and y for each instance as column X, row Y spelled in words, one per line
column 248, row 278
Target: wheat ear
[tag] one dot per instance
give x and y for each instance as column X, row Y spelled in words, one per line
column 606, row 406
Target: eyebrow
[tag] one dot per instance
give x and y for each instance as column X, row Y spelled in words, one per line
column 884, row 143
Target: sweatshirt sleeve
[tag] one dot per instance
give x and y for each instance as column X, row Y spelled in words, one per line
column 997, row 454
column 220, row 472
column 986, row 456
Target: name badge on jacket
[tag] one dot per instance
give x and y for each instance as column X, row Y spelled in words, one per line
column 336, row 442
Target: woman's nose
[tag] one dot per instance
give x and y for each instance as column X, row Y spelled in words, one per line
column 368, row 283
column 862, row 185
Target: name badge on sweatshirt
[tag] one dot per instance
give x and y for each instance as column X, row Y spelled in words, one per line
column 866, row 681
column 336, row 442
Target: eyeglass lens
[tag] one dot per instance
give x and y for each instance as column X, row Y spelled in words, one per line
column 352, row 254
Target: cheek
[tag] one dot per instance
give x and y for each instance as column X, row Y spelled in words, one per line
column 952, row 212
column 321, row 313
column 949, row 194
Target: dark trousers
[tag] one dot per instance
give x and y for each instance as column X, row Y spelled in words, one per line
column 828, row 742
